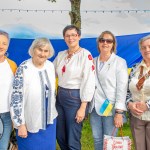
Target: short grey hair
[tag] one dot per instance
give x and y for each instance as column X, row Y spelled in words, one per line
column 39, row 43
column 5, row 34
column 143, row 39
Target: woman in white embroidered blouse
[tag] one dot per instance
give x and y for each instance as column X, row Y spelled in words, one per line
column 138, row 98
column 76, row 81
column 33, row 99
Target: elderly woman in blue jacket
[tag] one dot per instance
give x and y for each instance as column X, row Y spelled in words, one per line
column 109, row 99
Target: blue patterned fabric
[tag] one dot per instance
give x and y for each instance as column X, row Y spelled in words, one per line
column 23, row 87
column 129, row 96
column 17, row 95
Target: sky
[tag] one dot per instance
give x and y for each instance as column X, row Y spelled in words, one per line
column 118, row 16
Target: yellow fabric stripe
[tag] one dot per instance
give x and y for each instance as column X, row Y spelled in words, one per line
column 129, row 70
column 108, row 109
column 56, row 85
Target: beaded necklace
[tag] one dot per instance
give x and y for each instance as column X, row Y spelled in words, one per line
column 70, row 55
column 68, row 58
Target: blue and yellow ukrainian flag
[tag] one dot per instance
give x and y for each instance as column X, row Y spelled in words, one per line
column 106, row 108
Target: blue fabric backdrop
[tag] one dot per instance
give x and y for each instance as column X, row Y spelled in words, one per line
column 127, row 48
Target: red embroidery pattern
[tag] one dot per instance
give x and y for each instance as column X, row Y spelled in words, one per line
column 90, row 57
column 63, row 69
column 115, row 144
column 93, row 67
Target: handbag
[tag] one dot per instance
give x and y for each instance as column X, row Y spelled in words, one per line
column 1, row 127
column 117, row 143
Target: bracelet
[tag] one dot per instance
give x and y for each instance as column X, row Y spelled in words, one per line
column 119, row 112
column 128, row 103
column 148, row 104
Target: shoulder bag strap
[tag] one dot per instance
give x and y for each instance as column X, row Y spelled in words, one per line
column 98, row 77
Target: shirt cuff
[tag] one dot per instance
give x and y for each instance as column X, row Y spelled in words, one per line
column 148, row 104
column 128, row 103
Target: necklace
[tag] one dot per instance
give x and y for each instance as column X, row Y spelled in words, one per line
column 70, row 55
column 68, row 58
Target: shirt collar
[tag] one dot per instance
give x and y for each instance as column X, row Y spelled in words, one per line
column 144, row 65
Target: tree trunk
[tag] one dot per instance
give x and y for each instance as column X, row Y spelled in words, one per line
column 75, row 13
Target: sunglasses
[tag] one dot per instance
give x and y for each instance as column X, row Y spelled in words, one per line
column 108, row 41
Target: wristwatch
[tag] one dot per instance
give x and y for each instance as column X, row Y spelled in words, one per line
column 119, row 112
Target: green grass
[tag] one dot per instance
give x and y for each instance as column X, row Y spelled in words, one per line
column 87, row 139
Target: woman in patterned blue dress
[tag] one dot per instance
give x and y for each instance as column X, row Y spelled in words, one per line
column 33, row 99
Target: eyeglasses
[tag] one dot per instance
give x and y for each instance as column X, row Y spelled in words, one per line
column 108, row 41
column 71, row 35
